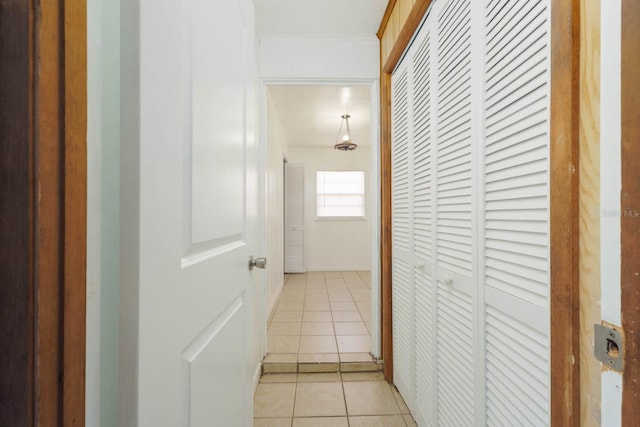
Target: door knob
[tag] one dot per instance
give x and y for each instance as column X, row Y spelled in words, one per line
column 257, row 262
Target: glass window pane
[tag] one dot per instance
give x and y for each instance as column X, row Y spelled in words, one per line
column 340, row 193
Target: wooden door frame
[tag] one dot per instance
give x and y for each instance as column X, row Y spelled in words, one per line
column 44, row 181
column 630, row 211
column 564, row 132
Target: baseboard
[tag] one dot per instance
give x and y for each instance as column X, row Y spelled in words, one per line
column 271, row 305
column 256, row 376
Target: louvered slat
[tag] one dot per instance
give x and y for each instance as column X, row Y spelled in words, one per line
column 422, row 149
column 400, row 165
column 455, row 360
column 424, row 409
column 516, row 161
column 453, row 174
column 403, row 335
column 517, row 372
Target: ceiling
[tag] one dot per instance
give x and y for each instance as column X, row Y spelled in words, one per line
column 310, row 115
column 318, row 17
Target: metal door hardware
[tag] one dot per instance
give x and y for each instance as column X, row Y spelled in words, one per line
column 257, row 262
column 609, row 346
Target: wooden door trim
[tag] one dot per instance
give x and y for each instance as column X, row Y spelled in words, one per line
column 75, row 211
column 46, row 66
column 630, row 211
column 60, row 116
column 564, row 303
column 386, row 255
column 564, row 219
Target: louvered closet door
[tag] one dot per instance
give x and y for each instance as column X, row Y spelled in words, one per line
column 294, row 218
column 470, row 178
column 422, row 147
column 402, row 238
column 516, row 216
column 455, row 215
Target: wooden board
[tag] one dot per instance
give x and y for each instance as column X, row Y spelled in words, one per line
column 385, row 222
column 75, row 210
column 590, row 367
column 565, row 328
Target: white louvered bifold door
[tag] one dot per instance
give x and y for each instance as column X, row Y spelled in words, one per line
column 454, row 205
column 470, row 207
column 423, row 148
column 402, row 237
column 293, row 218
column 516, row 217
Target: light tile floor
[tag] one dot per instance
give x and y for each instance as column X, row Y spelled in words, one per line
column 323, row 317
column 357, row 399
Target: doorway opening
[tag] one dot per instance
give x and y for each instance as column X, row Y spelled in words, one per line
column 322, row 281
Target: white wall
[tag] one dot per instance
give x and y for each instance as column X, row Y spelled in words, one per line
column 274, row 224
column 314, row 58
column 103, row 164
column 340, row 245
column 130, row 212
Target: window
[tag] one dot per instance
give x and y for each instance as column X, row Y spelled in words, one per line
column 340, row 194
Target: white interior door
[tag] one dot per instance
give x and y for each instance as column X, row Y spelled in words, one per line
column 198, row 214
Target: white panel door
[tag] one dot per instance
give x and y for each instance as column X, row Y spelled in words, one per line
column 293, row 218
column 198, row 199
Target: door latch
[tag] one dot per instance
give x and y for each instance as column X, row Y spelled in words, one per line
column 609, row 343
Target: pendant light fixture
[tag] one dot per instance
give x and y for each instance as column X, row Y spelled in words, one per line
column 343, row 141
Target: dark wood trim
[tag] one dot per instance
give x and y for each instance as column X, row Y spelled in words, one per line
column 16, row 215
column 75, row 210
column 409, row 28
column 43, row 189
column 49, row 131
column 385, row 18
column 630, row 210
column 564, row 227
column 385, row 223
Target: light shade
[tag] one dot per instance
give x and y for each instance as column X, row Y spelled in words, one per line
column 344, row 143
